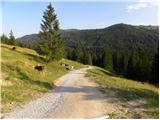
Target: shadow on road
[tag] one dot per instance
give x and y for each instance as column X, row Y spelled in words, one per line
column 111, row 95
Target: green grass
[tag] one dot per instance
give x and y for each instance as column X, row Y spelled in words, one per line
column 129, row 90
column 26, row 83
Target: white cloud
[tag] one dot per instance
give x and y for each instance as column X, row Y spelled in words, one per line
column 137, row 6
column 141, row 4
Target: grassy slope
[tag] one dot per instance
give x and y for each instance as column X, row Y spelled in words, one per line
column 20, row 81
column 127, row 91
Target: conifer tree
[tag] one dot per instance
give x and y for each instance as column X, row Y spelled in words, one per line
column 130, row 67
column 12, row 39
column 74, row 54
column 78, row 53
column 139, row 66
column 87, row 58
column 51, row 44
column 107, row 61
column 94, row 57
column 155, row 70
column 69, row 54
column 4, row 39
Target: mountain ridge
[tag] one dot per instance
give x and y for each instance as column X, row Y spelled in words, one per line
column 75, row 29
column 119, row 37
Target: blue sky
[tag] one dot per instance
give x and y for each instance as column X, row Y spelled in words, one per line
column 25, row 17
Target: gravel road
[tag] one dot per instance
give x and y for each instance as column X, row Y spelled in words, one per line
column 74, row 96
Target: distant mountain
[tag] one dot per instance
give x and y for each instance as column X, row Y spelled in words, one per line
column 121, row 37
column 29, row 39
column 149, row 27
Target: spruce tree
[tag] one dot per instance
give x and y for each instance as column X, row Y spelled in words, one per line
column 78, row 53
column 115, row 61
column 155, row 70
column 12, row 39
column 143, row 65
column 4, row 39
column 74, row 54
column 94, row 59
column 131, row 67
column 89, row 59
column 69, row 54
column 51, row 44
column 107, row 60
column 139, row 66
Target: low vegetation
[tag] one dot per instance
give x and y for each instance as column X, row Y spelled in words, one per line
column 138, row 99
column 20, row 81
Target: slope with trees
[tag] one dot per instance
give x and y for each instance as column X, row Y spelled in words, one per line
column 129, row 44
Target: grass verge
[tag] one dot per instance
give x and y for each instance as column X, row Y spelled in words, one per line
column 140, row 99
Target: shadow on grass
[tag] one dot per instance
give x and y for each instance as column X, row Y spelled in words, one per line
column 35, row 58
column 24, row 76
column 106, row 72
column 133, row 94
column 124, row 95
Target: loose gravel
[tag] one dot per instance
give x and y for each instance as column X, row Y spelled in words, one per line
column 74, row 96
column 39, row 108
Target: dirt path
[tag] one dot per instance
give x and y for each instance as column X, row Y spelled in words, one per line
column 74, row 96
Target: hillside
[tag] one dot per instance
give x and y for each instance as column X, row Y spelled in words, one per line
column 120, row 97
column 125, row 49
column 20, row 81
column 121, row 37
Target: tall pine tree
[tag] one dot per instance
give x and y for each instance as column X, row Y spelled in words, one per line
column 12, row 39
column 107, row 61
column 87, row 59
column 131, row 67
column 155, row 70
column 51, row 44
column 4, row 39
column 78, row 53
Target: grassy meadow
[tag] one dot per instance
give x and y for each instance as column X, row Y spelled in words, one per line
column 20, row 82
column 138, row 100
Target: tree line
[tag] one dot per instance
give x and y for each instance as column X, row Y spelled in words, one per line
column 10, row 40
column 140, row 65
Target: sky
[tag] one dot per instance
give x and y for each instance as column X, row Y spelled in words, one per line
column 24, row 18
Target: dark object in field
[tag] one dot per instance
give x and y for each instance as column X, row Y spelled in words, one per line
column 13, row 48
column 39, row 67
column 64, row 65
column 68, row 67
column 87, row 66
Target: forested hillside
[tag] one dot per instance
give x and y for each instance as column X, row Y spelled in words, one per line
column 131, row 51
column 118, row 37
